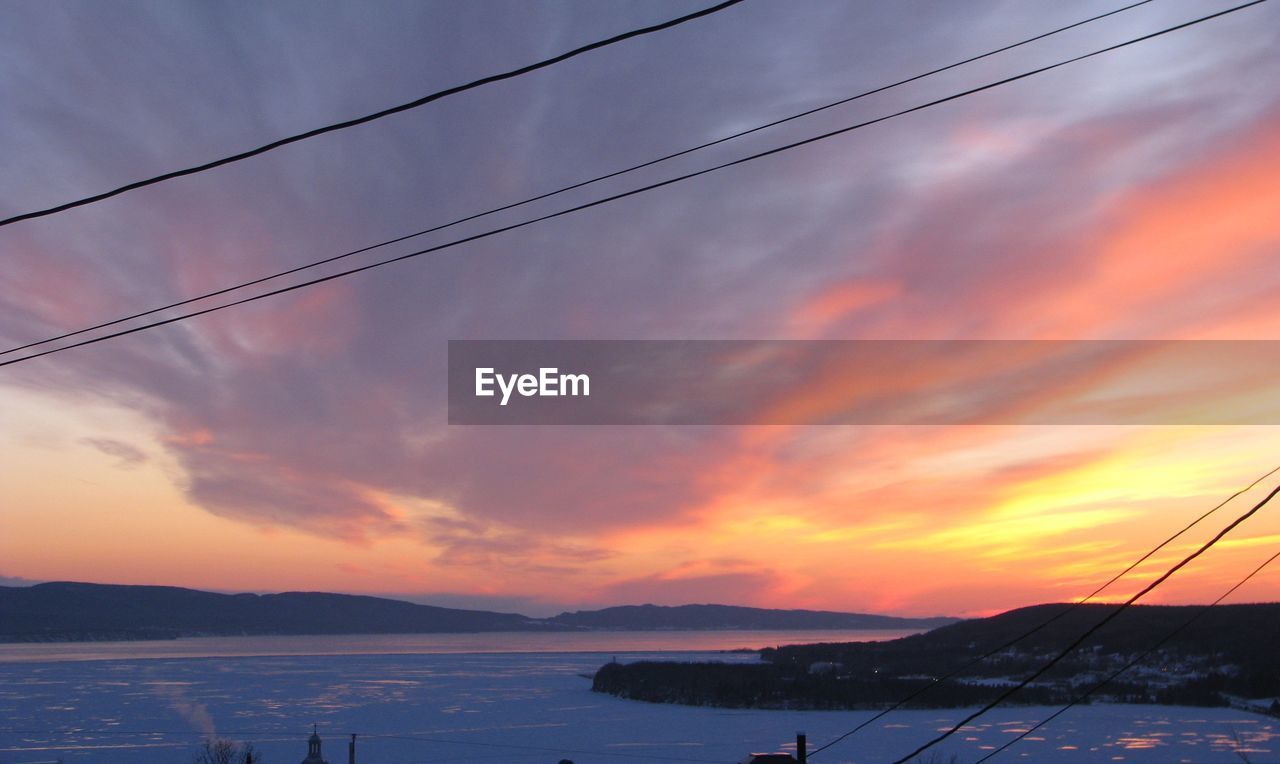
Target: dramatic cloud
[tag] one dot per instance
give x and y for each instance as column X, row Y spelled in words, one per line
column 1129, row 196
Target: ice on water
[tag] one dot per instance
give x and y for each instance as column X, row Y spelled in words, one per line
column 471, row 707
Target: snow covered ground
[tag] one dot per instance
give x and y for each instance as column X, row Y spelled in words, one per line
column 523, row 708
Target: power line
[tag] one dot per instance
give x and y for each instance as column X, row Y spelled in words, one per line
column 1091, row 630
column 572, row 186
column 1135, row 661
column 142, row 733
column 635, row 191
column 371, row 117
column 540, row 749
column 1044, row 624
column 1074, row 702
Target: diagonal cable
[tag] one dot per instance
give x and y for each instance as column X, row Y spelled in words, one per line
column 1092, row 630
column 366, row 118
column 571, row 187
column 1060, row 614
column 1135, row 661
column 640, row 190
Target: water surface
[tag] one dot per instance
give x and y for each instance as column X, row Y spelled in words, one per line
column 433, row 644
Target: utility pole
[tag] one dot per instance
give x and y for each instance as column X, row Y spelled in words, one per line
column 802, row 748
column 351, row 750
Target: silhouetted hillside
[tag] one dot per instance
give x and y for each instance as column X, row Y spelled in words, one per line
column 87, row 612
column 1226, row 657
column 73, row 611
column 1233, row 632
column 730, row 617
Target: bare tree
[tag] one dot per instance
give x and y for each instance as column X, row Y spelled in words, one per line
column 226, row 752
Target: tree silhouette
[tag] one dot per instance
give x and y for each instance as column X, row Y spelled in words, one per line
column 226, row 752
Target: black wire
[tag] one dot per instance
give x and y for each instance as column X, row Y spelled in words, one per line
column 141, row 733
column 636, row 191
column 1135, row 661
column 1074, row 701
column 1092, row 630
column 1070, row 608
column 573, row 186
column 541, row 749
column 371, row 117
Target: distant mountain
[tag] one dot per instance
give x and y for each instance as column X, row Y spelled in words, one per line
column 74, row 611
column 67, row 611
column 654, row 617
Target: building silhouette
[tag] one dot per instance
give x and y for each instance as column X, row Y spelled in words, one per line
column 313, row 749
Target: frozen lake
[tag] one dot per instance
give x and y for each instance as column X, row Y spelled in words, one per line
column 427, row 644
column 431, row 704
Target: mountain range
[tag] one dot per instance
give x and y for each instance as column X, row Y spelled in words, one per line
column 68, row 611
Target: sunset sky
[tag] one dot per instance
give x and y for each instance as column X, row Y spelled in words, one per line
column 300, row 443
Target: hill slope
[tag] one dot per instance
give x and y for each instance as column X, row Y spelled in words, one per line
column 84, row 612
column 74, row 611
column 1226, row 656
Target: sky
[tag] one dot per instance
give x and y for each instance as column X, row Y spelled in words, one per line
column 301, row 443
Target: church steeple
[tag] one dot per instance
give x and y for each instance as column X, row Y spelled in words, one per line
column 313, row 749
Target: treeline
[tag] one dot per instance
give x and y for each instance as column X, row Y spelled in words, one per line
column 1227, row 653
column 776, row 687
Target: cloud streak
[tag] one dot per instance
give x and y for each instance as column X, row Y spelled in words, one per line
column 1130, row 197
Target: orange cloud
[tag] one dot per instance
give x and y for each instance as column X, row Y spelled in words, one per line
column 840, row 301
column 1198, row 236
